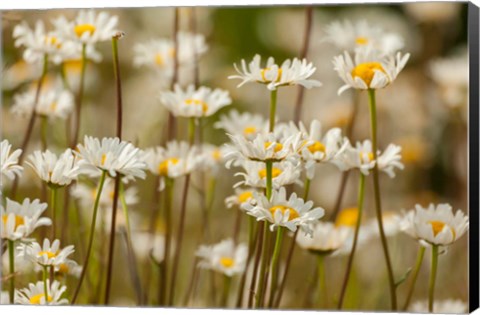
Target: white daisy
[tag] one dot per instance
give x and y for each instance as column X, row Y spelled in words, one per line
column 19, row 220
column 191, row 102
column 255, row 174
column 212, row 157
column 435, row 225
column 369, row 70
column 350, row 36
column 145, row 246
column 291, row 72
column 326, row 239
column 110, row 155
column 19, row 73
column 291, row 213
column 69, row 268
column 35, row 294
column 224, row 257
column 46, row 254
column 55, row 171
column 449, row 306
column 9, row 161
column 391, row 224
column 246, row 124
column 241, row 196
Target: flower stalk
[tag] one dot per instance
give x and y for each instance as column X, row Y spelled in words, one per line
column 433, row 275
column 418, row 264
column 79, row 98
column 11, row 263
column 53, row 205
column 45, row 287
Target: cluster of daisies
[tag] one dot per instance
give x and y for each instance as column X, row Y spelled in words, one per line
column 272, row 160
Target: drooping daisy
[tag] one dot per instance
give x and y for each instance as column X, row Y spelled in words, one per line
column 55, row 171
column 34, row 294
column 449, row 306
column 435, row 225
column 241, row 196
column 9, row 161
column 352, row 35
column 19, row 73
column 224, row 257
column 46, row 254
column 369, row 69
column 246, row 124
column 69, row 268
column 191, row 102
column 19, row 220
column 110, row 155
column 291, row 72
column 326, row 239
column 255, row 174
column 291, row 213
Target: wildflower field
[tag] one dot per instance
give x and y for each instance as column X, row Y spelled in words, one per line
column 302, row 157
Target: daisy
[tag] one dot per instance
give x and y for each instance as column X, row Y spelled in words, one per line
column 147, row 245
column 449, row 306
column 9, row 161
column 55, row 171
column 255, row 174
column 369, row 70
column 224, row 257
column 291, row 72
column 241, row 196
column 246, row 124
column 20, row 220
column 391, row 224
column 435, row 225
column 212, row 157
column 291, row 213
column 350, row 36
column 46, row 254
column 326, row 239
column 19, row 73
column 110, row 155
column 191, row 102
column 69, row 268
column 35, row 294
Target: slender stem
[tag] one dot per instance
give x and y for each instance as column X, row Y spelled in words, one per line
column 11, row 263
column 45, row 287
column 237, row 224
column 43, row 132
column 172, row 121
column 418, row 264
column 361, row 193
column 258, row 254
column 306, row 190
column 123, row 202
column 53, row 202
column 79, row 100
column 92, row 233
column 322, row 283
column 163, row 298
column 252, row 240
column 378, row 204
column 274, row 265
column 273, row 108
column 118, row 81
column 227, row 281
column 433, row 275
column 191, row 130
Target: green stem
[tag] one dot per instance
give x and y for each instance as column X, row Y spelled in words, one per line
column 92, row 233
column 433, row 275
column 361, row 193
column 191, row 130
column 125, row 210
column 274, row 264
column 378, row 204
column 78, row 105
column 269, row 179
column 53, row 202
column 273, row 108
column 227, row 281
column 43, row 132
column 322, row 284
column 168, row 238
column 418, row 264
column 306, row 190
column 45, row 287
column 11, row 262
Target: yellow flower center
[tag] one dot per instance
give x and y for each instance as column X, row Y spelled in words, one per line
column 438, row 226
column 245, row 196
column 249, row 130
column 360, row 40
column 104, row 157
column 291, row 215
column 36, row 298
column 347, row 217
column 191, row 101
column 316, row 147
column 276, row 148
column 275, row 172
column 53, row 106
column 366, row 71
column 163, row 166
column 63, row 268
column 159, row 59
column 72, row 65
column 366, row 156
column 83, row 28
column 18, row 220
column 264, row 70
column 217, row 155
column 227, row 262
column 48, row 253
column 53, row 41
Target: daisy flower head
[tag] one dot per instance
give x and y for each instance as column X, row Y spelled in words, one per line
column 34, row 294
column 240, row 197
column 9, row 160
column 255, row 174
column 55, row 171
column 47, row 254
column 224, row 257
column 212, row 157
column 326, row 239
column 19, row 220
column 110, row 155
column 290, row 72
column 435, row 225
column 350, row 36
column 246, row 124
column 191, row 102
column 19, row 73
column 280, row 211
column 148, row 246
column 449, row 306
column 69, row 268
column 369, row 69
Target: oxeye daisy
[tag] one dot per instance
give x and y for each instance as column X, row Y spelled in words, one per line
column 110, row 155
column 369, row 69
column 34, row 294
column 326, row 238
column 147, row 246
column 224, row 257
column 255, row 174
column 69, row 268
column 19, row 220
column 212, row 157
column 191, row 102
column 19, row 73
column 241, row 196
column 48, row 254
column 292, row 212
column 55, row 171
column 9, row 160
column 435, row 225
column 246, row 124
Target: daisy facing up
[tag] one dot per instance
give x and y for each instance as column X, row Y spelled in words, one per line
column 9, row 160
column 224, row 257
column 247, row 124
column 290, row 72
column 255, row 174
column 46, row 254
column 34, row 294
column 54, row 171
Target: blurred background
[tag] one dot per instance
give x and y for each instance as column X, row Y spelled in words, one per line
column 416, row 112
